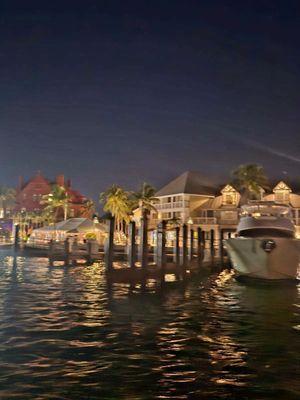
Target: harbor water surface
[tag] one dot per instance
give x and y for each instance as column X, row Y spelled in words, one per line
column 69, row 333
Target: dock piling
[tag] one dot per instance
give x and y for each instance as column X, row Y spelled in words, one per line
column 67, row 251
column 212, row 244
column 222, row 250
column 109, row 245
column 51, row 252
column 143, row 247
column 161, row 245
column 184, row 247
column 131, row 245
column 89, row 252
column 199, row 246
column 16, row 236
column 191, row 248
column 177, row 247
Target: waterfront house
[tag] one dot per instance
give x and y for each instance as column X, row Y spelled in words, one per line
column 29, row 195
column 194, row 199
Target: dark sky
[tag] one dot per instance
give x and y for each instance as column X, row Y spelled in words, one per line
column 126, row 91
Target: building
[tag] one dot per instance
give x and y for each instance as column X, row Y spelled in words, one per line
column 29, row 196
column 193, row 199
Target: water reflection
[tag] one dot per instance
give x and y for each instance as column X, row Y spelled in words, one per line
column 69, row 333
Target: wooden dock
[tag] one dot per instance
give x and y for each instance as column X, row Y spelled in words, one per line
column 134, row 262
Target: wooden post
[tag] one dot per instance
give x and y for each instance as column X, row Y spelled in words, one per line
column 51, row 251
column 212, row 244
column 177, row 247
column 191, row 249
column 203, row 239
column 67, row 251
column 161, row 245
column 89, row 252
column 16, row 236
column 184, row 246
column 221, row 247
column 131, row 245
column 109, row 245
column 199, row 246
column 143, row 248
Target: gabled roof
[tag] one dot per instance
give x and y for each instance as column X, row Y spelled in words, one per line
column 228, row 189
column 281, row 186
column 38, row 178
column 190, row 183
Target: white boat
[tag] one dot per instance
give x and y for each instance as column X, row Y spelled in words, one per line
column 265, row 246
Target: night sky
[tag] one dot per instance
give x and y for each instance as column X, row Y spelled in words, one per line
column 131, row 91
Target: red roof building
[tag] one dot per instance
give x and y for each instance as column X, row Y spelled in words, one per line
column 30, row 193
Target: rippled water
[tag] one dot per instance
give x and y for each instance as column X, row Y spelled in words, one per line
column 66, row 333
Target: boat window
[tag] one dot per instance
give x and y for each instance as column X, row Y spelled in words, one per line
column 266, row 232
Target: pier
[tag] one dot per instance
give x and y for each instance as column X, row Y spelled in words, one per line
column 191, row 252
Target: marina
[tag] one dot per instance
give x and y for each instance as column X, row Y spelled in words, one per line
column 150, row 200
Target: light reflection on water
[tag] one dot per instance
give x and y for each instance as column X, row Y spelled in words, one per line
column 67, row 333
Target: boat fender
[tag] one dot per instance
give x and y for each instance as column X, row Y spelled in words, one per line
column 268, row 245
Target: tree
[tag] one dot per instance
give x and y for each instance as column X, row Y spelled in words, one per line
column 56, row 200
column 144, row 198
column 88, row 209
column 116, row 202
column 7, row 197
column 249, row 179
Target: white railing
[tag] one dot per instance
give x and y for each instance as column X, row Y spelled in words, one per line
column 170, row 206
column 204, row 221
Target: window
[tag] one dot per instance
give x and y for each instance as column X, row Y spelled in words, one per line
column 282, row 197
column 166, row 215
column 228, row 199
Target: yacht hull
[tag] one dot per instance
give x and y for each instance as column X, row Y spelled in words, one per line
column 265, row 258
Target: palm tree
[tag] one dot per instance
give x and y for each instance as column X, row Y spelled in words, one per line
column 7, row 197
column 88, row 209
column 250, row 179
column 116, row 202
column 56, row 200
column 144, row 199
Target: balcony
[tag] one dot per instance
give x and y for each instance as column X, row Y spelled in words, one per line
column 172, row 205
column 205, row 221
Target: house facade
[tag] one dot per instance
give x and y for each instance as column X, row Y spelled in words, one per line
column 193, row 200
column 29, row 196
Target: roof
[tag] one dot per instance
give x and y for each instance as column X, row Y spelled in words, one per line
column 38, row 178
column 210, row 204
column 189, row 182
column 72, row 225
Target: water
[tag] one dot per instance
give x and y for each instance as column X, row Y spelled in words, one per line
column 65, row 333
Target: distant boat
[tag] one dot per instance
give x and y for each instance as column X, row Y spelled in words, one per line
column 265, row 246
